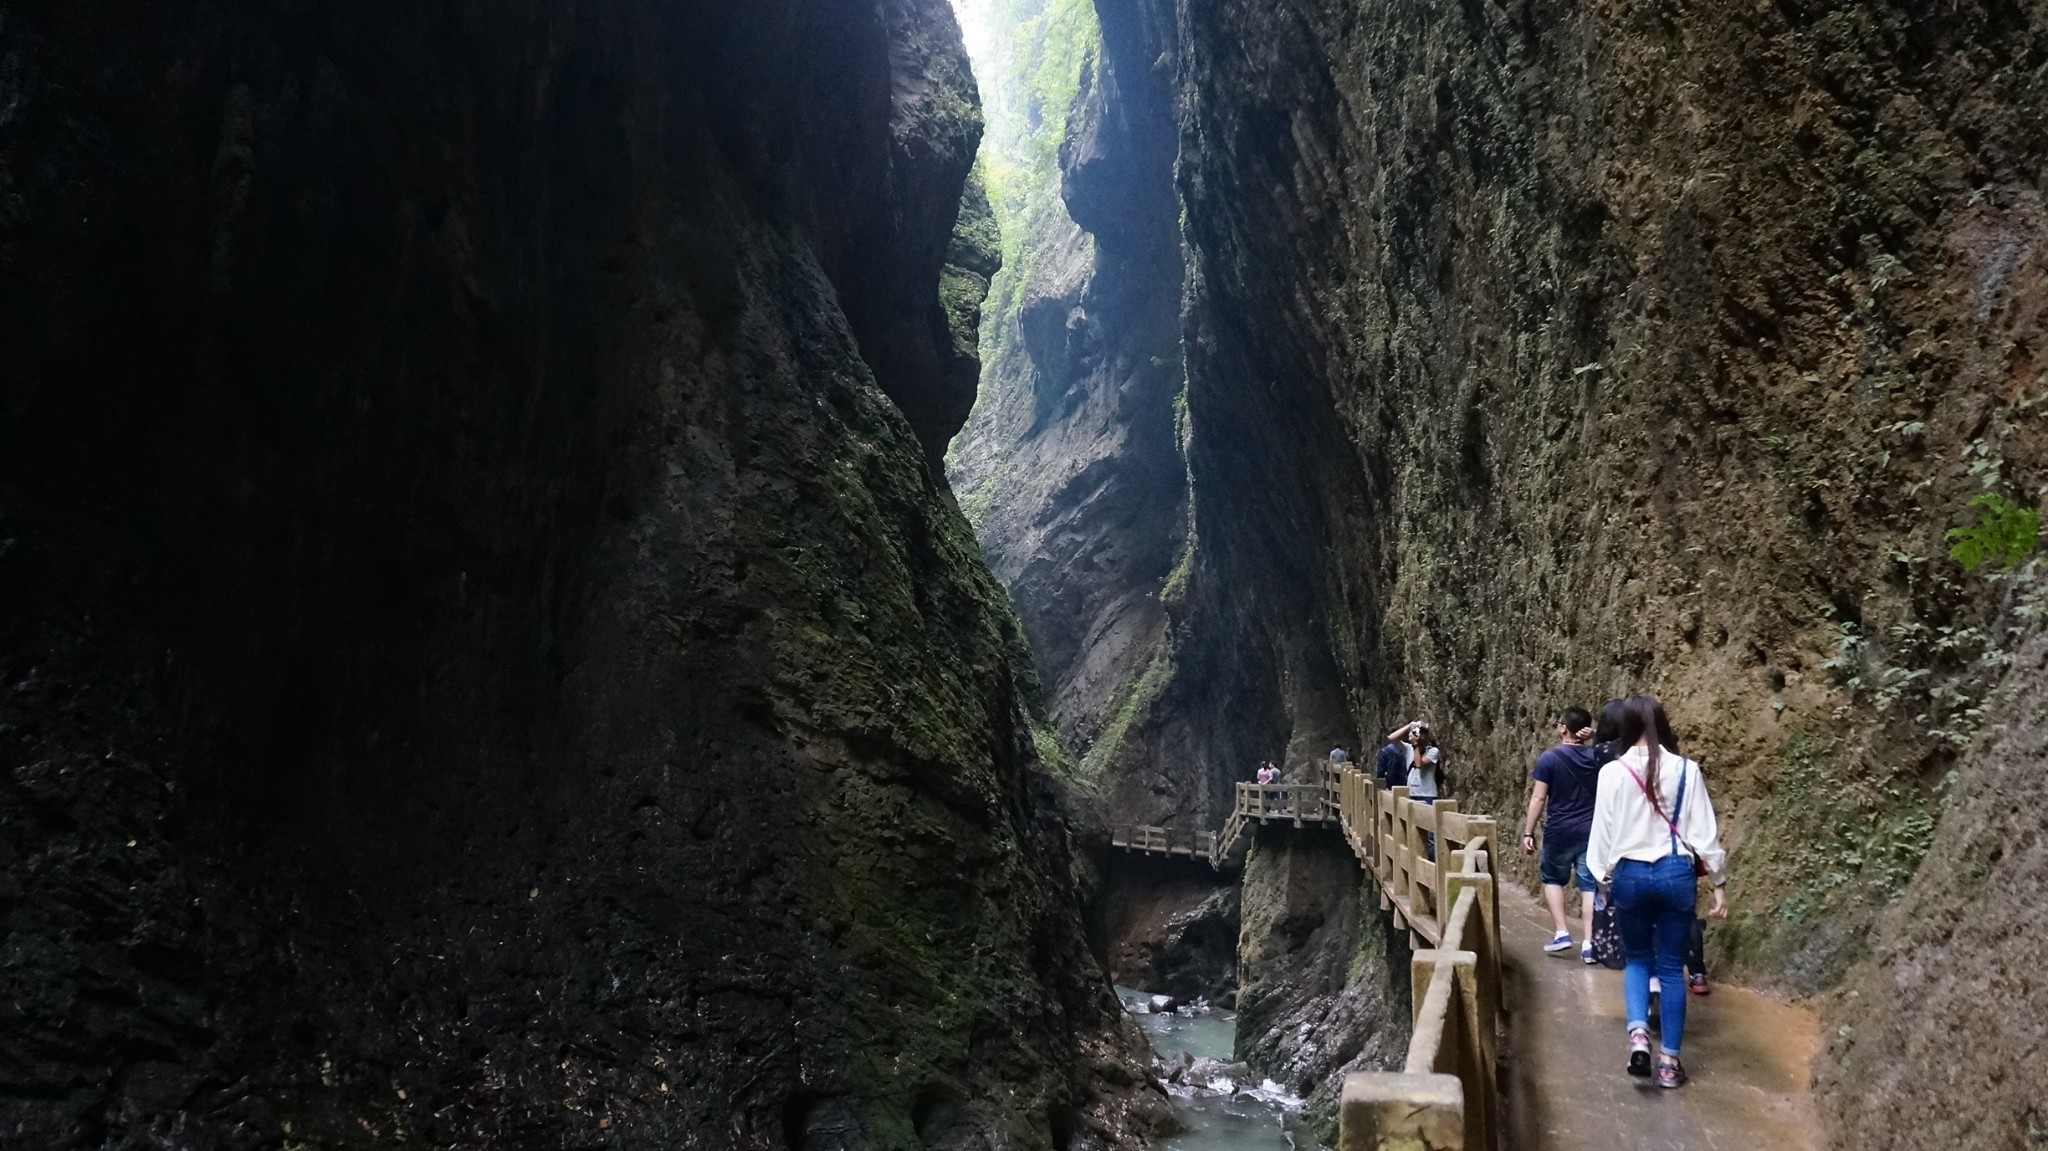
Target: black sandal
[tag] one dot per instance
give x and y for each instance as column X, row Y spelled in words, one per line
column 1671, row 1074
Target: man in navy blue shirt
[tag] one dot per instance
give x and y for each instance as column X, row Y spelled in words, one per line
column 1567, row 777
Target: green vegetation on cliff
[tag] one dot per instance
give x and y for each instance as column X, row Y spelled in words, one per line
column 1031, row 56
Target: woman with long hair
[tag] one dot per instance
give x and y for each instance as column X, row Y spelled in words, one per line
column 1653, row 825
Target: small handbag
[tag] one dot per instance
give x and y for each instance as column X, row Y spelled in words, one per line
column 1607, row 949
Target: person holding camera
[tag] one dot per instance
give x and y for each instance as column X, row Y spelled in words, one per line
column 1423, row 764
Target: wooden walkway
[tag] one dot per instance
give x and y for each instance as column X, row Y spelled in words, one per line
column 1385, row 829
column 1473, row 993
column 1447, row 1094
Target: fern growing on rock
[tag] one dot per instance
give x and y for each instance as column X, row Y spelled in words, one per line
column 2003, row 534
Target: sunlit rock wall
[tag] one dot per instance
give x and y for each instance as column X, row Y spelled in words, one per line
column 1070, row 464
column 1546, row 352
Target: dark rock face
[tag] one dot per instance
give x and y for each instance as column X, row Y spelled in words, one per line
column 486, row 661
column 1173, row 930
column 1325, row 974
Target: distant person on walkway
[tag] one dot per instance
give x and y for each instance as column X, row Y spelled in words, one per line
column 1268, row 773
column 1425, row 775
column 1390, row 766
column 1652, row 824
column 1405, row 749
column 1566, row 778
column 1338, row 757
column 1425, row 764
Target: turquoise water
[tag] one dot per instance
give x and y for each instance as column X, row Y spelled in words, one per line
column 1252, row 1118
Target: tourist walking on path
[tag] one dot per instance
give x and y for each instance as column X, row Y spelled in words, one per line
column 1653, row 834
column 1566, row 778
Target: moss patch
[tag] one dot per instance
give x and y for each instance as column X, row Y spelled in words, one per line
column 1833, row 843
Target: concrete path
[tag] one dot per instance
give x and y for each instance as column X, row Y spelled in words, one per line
column 1748, row 1055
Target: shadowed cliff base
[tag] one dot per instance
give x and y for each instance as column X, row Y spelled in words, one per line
column 1172, row 928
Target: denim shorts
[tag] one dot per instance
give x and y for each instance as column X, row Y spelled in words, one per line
column 1562, row 861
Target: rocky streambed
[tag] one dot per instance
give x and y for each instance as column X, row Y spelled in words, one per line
column 1224, row 1104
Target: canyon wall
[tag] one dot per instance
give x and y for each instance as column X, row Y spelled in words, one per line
column 1545, row 352
column 1649, row 349
column 1070, row 464
column 490, row 657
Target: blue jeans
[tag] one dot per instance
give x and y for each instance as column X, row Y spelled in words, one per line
column 1653, row 908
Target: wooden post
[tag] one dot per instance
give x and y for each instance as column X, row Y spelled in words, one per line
column 1383, row 817
column 1475, row 1056
column 1482, row 938
column 1486, row 827
column 1422, row 968
column 1421, row 821
column 1400, row 1112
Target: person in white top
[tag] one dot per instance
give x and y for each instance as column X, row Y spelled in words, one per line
column 1423, row 758
column 1653, row 824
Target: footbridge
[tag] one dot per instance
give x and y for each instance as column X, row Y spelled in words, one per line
column 1510, row 1047
column 1446, row 1096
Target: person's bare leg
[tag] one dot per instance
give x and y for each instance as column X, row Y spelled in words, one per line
column 1554, row 896
column 1586, row 915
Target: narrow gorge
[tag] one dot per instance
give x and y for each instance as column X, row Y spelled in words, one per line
column 1536, row 354
column 598, row 576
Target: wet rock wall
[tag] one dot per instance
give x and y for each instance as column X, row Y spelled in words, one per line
column 1542, row 352
column 1325, row 971
column 490, row 659
column 1546, row 352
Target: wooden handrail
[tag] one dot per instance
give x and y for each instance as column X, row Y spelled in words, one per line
column 1433, row 867
column 1446, row 1097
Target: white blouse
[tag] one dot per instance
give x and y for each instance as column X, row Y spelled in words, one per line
column 1625, row 826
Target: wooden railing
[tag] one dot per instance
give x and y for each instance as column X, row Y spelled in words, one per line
column 1298, row 803
column 1164, row 841
column 1446, row 1096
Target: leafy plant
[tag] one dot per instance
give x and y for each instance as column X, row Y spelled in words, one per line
column 2003, row 534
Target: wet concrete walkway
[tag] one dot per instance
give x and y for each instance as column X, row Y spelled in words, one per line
column 1564, row 1086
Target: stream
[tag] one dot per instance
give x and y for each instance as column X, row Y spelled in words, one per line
column 1223, row 1115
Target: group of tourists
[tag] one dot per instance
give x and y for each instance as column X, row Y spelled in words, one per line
column 1627, row 821
column 1626, row 814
